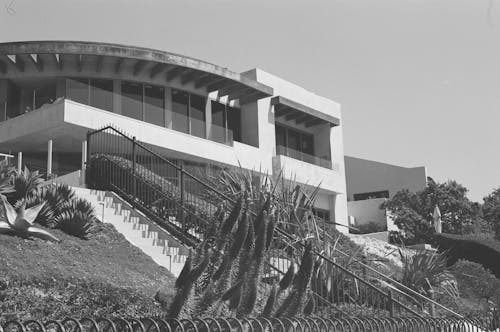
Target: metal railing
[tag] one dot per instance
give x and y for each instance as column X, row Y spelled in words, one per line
column 308, row 158
column 219, row 324
column 184, row 204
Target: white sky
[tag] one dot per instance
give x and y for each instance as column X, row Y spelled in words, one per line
column 419, row 80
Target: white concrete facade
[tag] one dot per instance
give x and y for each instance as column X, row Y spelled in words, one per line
column 66, row 121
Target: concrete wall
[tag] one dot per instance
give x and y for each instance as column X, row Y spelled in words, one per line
column 366, row 211
column 363, row 176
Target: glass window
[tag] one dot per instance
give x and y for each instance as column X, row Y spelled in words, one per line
column 218, row 128
column 293, row 140
column 307, row 143
column 132, row 100
column 101, row 94
column 234, row 122
column 13, row 101
column 77, row 89
column 45, row 94
column 280, row 135
column 197, row 115
column 180, row 102
column 154, row 101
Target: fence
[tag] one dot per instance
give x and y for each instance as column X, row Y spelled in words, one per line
column 183, row 205
column 310, row 324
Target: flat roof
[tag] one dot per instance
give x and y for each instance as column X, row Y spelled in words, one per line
column 14, row 56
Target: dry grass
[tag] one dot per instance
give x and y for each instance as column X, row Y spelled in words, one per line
column 104, row 275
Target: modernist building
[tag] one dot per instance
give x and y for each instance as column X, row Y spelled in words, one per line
column 370, row 183
column 190, row 110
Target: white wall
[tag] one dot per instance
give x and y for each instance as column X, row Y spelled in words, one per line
column 363, row 176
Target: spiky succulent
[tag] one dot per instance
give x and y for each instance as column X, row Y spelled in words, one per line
column 21, row 222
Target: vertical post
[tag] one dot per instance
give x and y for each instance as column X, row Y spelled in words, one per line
column 19, row 161
column 181, row 212
column 391, row 304
column 87, row 160
column 134, row 183
column 432, row 308
column 49, row 158
column 84, row 163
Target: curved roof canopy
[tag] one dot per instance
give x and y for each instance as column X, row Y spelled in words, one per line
column 16, row 56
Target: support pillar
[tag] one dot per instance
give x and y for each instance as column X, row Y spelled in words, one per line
column 49, row 158
column 19, row 161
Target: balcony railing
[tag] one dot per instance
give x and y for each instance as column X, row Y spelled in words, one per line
column 180, row 122
column 308, row 158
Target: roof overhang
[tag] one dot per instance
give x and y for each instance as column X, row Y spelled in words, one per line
column 301, row 113
column 17, row 56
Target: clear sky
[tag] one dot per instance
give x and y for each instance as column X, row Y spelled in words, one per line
column 418, row 80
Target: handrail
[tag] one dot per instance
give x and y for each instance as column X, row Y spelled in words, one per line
column 402, row 286
column 280, row 231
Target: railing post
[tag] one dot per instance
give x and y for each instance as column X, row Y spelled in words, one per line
column 391, row 304
column 432, row 308
column 134, row 182
column 87, row 161
column 181, row 180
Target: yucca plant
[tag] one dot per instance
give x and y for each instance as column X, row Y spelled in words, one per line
column 426, row 271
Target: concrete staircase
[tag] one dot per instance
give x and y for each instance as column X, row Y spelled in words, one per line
column 153, row 240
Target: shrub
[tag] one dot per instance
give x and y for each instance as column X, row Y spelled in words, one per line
column 474, row 281
column 425, row 271
column 77, row 218
column 476, row 249
column 370, row 227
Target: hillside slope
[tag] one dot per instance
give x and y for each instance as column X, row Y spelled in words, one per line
column 104, row 275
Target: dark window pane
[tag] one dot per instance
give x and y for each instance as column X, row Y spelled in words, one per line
column 234, row 122
column 77, row 89
column 280, row 135
column 371, row 195
column 13, row 101
column 218, row 128
column 132, row 100
column 307, row 143
column 197, row 115
column 293, row 140
column 101, row 94
column 154, row 105
column 180, row 101
column 45, row 94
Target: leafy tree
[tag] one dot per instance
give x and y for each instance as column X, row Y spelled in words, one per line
column 491, row 211
column 413, row 212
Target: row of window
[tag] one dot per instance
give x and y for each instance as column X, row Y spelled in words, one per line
column 147, row 103
column 294, row 139
column 140, row 101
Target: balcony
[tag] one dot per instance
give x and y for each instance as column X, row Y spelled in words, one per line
column 308, row 158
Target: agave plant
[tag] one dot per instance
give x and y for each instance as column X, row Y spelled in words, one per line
column 21, row 222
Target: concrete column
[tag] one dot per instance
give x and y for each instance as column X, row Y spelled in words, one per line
column 117, row 97
column 168, row 108
column 208, row 118
column 49, row 158
column 19, row 161
column 84, row 162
